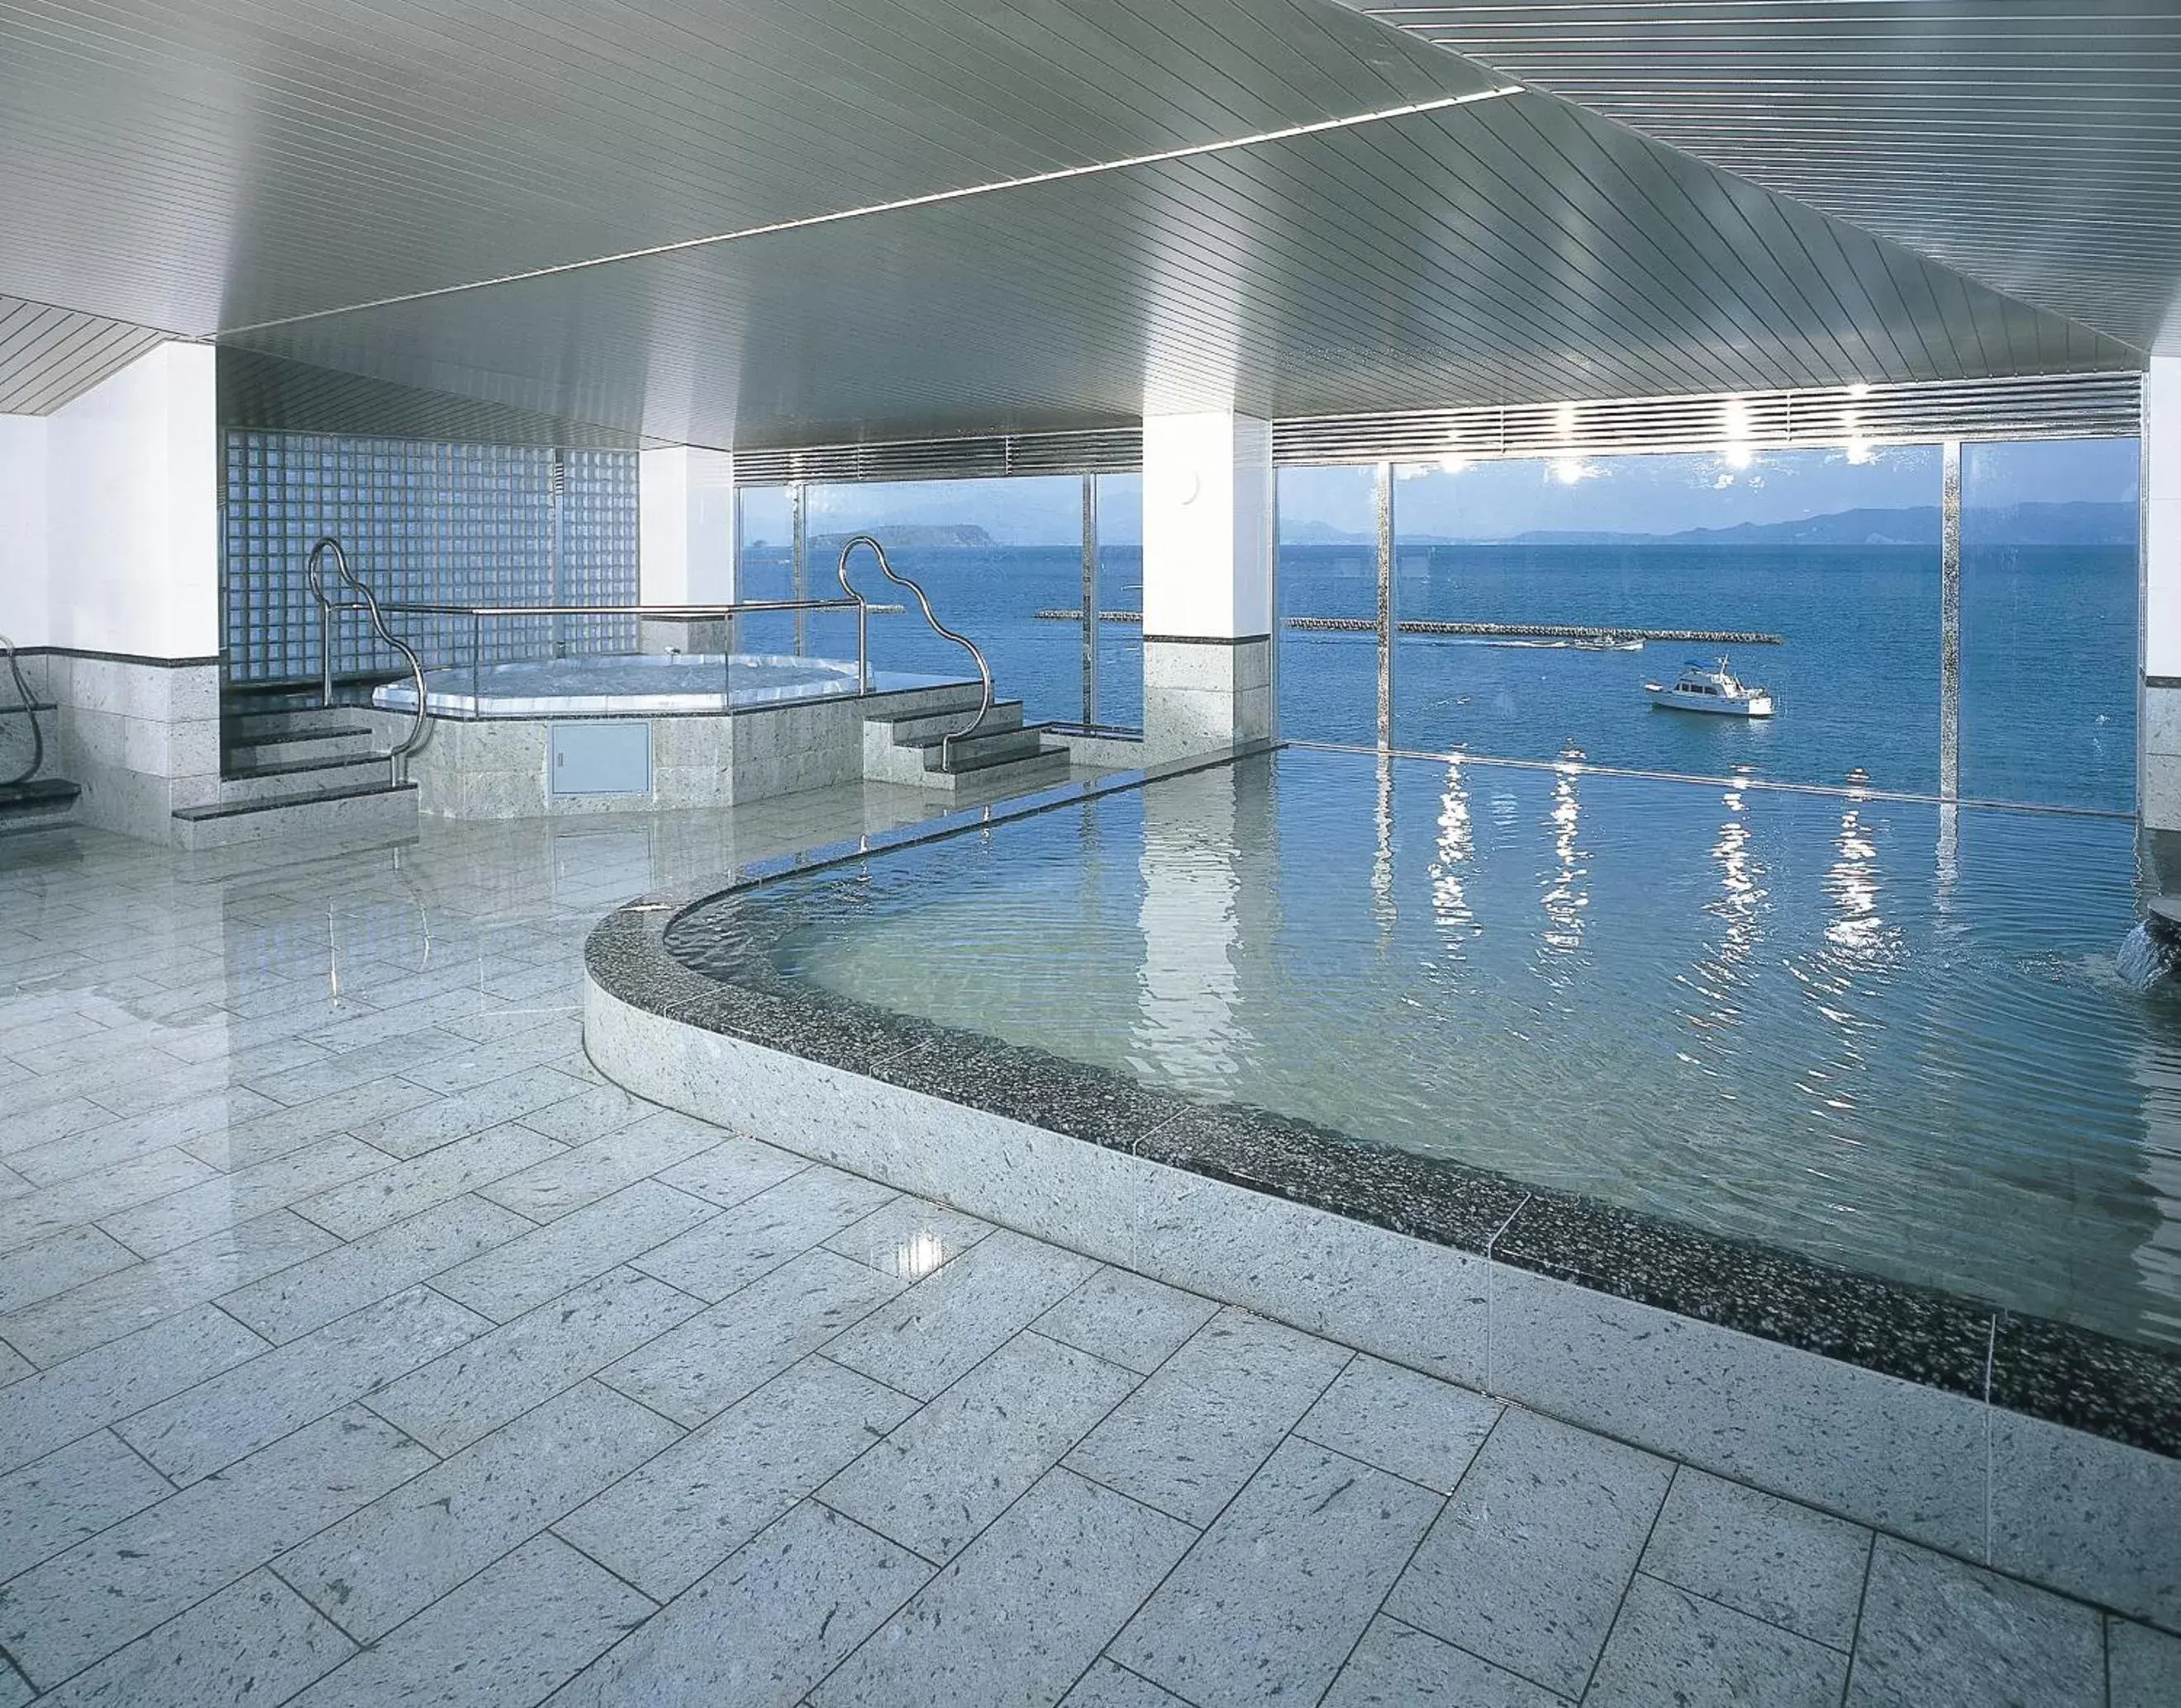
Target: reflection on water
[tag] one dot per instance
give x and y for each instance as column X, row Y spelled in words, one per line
column 1856, row 933
column 1382, row 858
column 1736, row 1007
column 1456, row 848
column 2158, row 1260
column 1948, row 861
column 1565, row 897
column 1186, row 1032
column 1741, row 895
column 1715, row 980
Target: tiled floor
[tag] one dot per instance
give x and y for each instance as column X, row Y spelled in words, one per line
column 360, row 1346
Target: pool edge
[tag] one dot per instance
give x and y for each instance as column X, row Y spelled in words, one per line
column 2068, row 1435
column 2056, row 1507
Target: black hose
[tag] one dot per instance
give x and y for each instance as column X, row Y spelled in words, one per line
column 29, row 710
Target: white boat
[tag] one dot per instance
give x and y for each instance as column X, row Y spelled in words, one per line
column 1711, row 687
column 1582, row 643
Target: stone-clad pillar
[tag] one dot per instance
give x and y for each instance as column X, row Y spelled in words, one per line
column 1207, row 582
column 685, row 544
column 2158, row 777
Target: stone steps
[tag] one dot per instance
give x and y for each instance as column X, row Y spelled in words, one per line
column 41, row 800
column 929, row 726
column 350, row 738
column 1005, row 755
column 245, row 728
column 373, row 810
column 301, row 770
column 272, row 779
column 999, row 777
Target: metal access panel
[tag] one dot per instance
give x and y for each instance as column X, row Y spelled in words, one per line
column 612, row 757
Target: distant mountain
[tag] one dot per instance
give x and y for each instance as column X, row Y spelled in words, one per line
column 1916, row 527
column 2076, row 524
column 906, row 537
column 1320, row 534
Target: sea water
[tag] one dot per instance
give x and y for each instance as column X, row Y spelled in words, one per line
column 2046, row 691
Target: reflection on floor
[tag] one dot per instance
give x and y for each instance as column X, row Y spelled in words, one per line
column 361, row 1346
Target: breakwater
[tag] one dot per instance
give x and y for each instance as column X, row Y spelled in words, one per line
column 1542, row 631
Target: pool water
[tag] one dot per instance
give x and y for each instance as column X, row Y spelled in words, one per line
column 1882, row 1033
column 627, row 683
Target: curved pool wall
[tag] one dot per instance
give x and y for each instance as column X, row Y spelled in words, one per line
column 2045, row 1450
column 690, row 732
column 635, row 685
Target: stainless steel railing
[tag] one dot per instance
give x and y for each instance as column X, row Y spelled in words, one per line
column 366, row 601
column 984, row 670
column 29, row 708
column 377, row 610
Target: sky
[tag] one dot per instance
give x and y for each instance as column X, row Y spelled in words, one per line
column 1496, row 500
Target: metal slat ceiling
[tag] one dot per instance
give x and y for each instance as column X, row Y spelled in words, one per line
column 351, row 187
column 2074, row 406
column 1514, row 248
column 2081, row 407
column 48, row 354
column 196, row 164
column 275, row 396
column 2034, row 144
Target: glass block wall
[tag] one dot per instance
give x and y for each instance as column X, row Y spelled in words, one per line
column 423, row 522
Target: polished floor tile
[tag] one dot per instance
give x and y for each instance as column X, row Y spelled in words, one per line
column 358, row 1347
column 1527, row 1565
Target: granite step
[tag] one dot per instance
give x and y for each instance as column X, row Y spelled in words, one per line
column 987, row 747
column 243, row 728
column 1005, row 715
column 284, row 777
column 996, row 777
column 41, row 800
column 270, row 747
column 373, row 810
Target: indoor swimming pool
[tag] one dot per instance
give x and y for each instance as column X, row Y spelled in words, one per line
column 1870, row 1031
column 635, row 685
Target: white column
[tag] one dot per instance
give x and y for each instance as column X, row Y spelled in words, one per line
column 25, row 617
column 685, row 543
column 132, row 508
column 1207, row 582
column 132, row 589
column 2159, row 742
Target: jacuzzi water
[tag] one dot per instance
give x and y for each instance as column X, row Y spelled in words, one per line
column 1886, row 1036
column 635, row 683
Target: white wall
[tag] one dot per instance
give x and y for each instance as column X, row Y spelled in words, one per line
column 23, row 615
column 2161, row 517
column 132, row 511
column 685, row 526
column 1207, row 526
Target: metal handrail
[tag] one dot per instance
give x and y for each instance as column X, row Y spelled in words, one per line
column 984, row 670
column 367, row 601
column 741, row 609
column 29, row 709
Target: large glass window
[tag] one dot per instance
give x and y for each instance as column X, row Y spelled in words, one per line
column 1001, row 561
column 765, row 568
column 1814, row 573
column 1328, row 579
column 2049, row 578
column 1120, row 602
